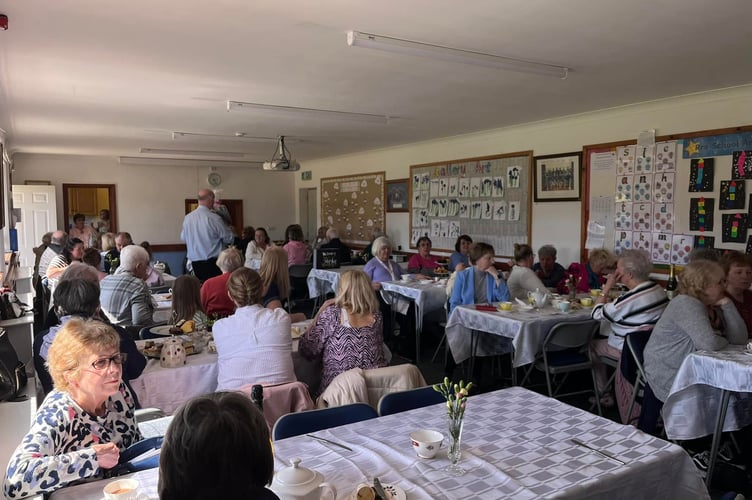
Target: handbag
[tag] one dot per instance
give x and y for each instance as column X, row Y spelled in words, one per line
column 12, row 372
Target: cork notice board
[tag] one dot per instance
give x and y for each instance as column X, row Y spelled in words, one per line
column 354, row 204
column 487, row 198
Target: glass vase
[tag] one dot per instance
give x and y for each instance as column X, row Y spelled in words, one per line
column 454, row 452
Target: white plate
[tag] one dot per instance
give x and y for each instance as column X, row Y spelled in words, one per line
column 161, row 330
column 161, row 297
column 394, row 491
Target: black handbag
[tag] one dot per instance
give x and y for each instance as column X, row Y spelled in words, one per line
column 12, row 372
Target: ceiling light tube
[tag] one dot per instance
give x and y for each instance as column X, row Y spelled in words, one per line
column 237, row 136
column 308, row 112
column 185, row 162
column 190, row 152
column 402, row 46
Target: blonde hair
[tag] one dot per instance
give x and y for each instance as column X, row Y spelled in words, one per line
column 698, row 275
column 274, row 270
column 356, row 294
column 245, row 287
column 108, row 242
column 602, row 258
column 76, row 340
column 229, row 260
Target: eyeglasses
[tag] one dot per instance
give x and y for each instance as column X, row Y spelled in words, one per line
column 104, row 363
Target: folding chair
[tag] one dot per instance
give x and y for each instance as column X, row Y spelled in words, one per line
column 636, row 342
column 298, row 284
column 397, row 402
column 295, row 424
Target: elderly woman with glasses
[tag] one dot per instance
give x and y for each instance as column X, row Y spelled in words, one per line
column 82, row 426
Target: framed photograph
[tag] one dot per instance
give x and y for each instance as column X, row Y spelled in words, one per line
column 396, row 195
column 557, row 177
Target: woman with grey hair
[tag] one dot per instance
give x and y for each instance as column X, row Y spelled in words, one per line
column 382, row 267
column 214, row 298
column 637, row 310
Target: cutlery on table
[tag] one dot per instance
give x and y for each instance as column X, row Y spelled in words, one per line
column 602, row 453
column 380, row 493
column 328, row 442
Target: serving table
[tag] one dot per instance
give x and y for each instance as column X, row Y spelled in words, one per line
column 515, row 444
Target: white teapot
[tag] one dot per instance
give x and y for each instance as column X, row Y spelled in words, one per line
column 299, row 483
column 540, row 298
column 173, row 353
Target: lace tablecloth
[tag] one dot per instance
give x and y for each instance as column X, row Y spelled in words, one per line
column 515, row 444
column 526, row 328
column 691, row 408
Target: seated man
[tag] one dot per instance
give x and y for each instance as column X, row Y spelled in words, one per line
column 637, row 310
column 343, row 251
column 55, row 248
column 548, row 270
column 217, row 446
column 125, row 296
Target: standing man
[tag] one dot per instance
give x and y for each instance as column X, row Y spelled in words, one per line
column 205, row 234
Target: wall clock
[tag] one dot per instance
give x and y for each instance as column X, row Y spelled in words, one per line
column 214, row 179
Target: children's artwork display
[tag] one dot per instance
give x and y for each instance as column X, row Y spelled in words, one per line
column 354, row 204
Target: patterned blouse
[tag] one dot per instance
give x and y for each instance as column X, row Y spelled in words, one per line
column 343, row 346
column 57, row 450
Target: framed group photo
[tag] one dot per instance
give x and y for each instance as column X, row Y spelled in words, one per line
column 557, row 177
column 397, row 195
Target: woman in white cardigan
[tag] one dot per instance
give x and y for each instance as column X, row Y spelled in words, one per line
column 254, row 345
column 523, row 279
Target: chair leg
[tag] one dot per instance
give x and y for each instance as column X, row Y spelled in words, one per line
column 635, row 391
column 438, row 348
column 595, row 391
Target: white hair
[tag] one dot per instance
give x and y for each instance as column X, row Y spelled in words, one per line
column 131, row 256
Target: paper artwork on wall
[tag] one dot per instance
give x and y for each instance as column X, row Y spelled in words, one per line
column 701, row 175
column 464, row 187
column 514, row 210
column 734, row 228
column 500, row 210
column 701, row 213
column 642, row 216
column 513, row 177
column 681, row 245
column 661, row 249
column 443, row 186
column 741, row 165
column 622, row 241
column 464, row 209
column 476, row 210
column 643, row 187
column 454, row 186
column 420, row 217
column 645, row 159
column 475, row 187
column 663, row 217
column 443, row 207
column 625, row 160
column 454, row 229
column 487, row 210
column 665, row 157
column 703, row 241
column 623, row 219
column 732, row 195
column 486, row 187
column 433, row 191
column 623, row 188
column 435, row 228
column 641, row 240
column 433, row 210
column 498, row 187
column 416, row 233
column 664, row 185
column 453, row 207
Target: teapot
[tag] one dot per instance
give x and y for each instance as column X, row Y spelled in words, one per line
column 173, row 353
column 540, row 298
column 300, row 483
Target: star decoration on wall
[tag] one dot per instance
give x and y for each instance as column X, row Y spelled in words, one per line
column 692, row 148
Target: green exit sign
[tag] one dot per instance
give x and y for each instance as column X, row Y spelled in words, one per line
column 307, row 175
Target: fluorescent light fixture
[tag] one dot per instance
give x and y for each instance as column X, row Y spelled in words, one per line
column 402, row 46
column 237, row 136
column 273, row 109
column 185, row 162
column 191, row 152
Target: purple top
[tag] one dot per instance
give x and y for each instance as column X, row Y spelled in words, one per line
column 342, row 346
column 377, row 270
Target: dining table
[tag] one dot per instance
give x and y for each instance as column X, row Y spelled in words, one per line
column 323, row 281
column 168, row 388
column 162, row 303
column 515, row 444
column 711, row 394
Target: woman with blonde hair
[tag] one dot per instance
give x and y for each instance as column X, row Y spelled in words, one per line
column 186, row 302
column 591, row 274
column 85, row 422
column 347, row 331
column 522, row 278
column 109, row 253
column 254, row 345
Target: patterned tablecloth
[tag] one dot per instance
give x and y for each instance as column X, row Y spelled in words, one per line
column 691, row 408
column 526, row 328
column 427, row 296
column 515, row 444
column 323, row 281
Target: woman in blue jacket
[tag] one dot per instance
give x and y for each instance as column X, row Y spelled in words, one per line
column 465, row 290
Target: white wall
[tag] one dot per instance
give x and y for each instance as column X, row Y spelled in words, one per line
column 151, row 199
column 558, row 223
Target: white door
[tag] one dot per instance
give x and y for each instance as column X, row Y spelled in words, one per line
column 307, row 215
column 38, row 216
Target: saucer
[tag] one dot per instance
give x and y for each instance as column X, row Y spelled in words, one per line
column 393, row 491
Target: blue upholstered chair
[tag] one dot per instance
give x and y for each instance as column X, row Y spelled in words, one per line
column 397, row 402
column 295, row 424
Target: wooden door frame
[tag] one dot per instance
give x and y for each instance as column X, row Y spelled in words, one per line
column 110, row 192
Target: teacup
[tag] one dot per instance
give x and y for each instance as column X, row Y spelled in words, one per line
column 563, row 305
column 426, row 442
column 122, row 489
column 406, row 277
column 505, row 306
column 586, row 301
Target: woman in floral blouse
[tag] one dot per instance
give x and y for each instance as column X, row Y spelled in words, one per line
column 81, row 426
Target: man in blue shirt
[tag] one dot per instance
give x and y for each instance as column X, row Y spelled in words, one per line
column 205, row 235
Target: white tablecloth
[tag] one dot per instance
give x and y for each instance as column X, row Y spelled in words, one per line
column 691, row 409
column 323, row 281
column 527, row 329
column 515, row 443
column 427, row 297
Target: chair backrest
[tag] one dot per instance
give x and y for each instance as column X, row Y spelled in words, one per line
column 570, row 334
column 397, row 402
column 282, row 399
column 300, row 270
column 295, row 424
column 636, row 342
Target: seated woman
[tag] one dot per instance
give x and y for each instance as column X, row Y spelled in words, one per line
column 110, row 254
column 186, row 302
column 214, row 299
column 423, row 262
column 523, row 279
column 275, row 277
column 348, row 333
column 256, row 248
column 701, row 317
column 82, row 426
column 382, row 267
column 298, row 251
column 321, row 237
column 591, row 275
column 254, row 345
column 217, row 446
column 461, row 252
column 94, row 259
column 73, row 251
column 153, row 277
column 465, row 290
column 738, row 268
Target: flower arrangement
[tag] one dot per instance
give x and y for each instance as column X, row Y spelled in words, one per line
column 456, row 396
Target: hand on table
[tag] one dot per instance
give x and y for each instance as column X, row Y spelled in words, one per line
column 108, row 455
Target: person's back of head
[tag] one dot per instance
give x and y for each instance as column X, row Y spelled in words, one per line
column 79, row 270
column 131, row 256
column 332, row 234
column 59, row 238
column 217, row 446
column 78, row 297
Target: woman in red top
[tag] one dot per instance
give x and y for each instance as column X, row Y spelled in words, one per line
column 423, row 262
column 214, row 298
column 738, row 269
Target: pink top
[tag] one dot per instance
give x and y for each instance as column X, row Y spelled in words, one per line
column 297, row 252
column 418, row 262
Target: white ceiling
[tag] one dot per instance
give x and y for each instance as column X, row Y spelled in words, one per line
column 109, row 78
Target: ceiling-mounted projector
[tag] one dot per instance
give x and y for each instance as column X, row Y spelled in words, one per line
column 281, row 161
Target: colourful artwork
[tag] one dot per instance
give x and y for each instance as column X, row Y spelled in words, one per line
column 622, row 241
column 701, row 175
column 645, row 160
column 663, row 217
column 643, row 187
column 732, row 195
column 741, row 165
column 663, row 187
column 665, row 157
column 624, row 188
column 625, row 160
column 703, row 241
column 623, row 220
column 734, row 228
column 661, row 248
column 701, row 212
column 642, row 216
column 681, row 245
column 641, row 240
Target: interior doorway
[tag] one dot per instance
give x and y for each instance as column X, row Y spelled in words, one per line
column 307, row 213
column 89, row 200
